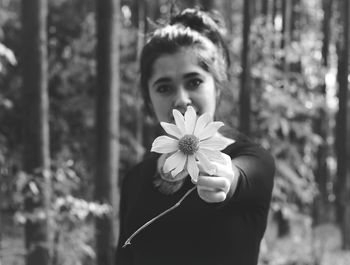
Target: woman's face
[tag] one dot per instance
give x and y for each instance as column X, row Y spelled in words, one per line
column 178, row 81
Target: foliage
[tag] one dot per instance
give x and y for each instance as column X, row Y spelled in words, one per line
column 70, row 219
column 7, row 58
column 72, row 70
column 286, row 102
column 73, row 84
column 8, row 92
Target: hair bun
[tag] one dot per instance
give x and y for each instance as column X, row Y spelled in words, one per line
column 211, row 25
column 205, row 23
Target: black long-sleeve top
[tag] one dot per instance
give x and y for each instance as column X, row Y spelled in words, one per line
column 197, row 232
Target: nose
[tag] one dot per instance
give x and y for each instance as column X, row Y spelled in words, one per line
column 182, row 100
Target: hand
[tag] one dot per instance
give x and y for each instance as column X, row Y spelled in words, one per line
column 216, row 187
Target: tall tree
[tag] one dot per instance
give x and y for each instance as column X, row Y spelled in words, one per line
column 342, row 134
column 322, row 128
column 286, row 28
column 107, row 125
column 139, row 112
column 245, row 91
column 35, row 124
column 274, row 11
column 295, row 20
column 327, row 6
column 344, row 83
column 265, row 7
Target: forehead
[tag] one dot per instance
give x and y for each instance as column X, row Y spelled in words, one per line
column 177, row 64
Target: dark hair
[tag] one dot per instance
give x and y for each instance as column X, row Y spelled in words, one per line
column 190, row 28
column 211, row 25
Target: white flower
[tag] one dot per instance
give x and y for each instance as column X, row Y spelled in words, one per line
column 191, row 140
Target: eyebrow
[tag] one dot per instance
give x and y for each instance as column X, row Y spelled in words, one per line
column 168, row 79
column 193, row 74
column 161, row 80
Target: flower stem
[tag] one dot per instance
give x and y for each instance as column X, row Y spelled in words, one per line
column 128, row 241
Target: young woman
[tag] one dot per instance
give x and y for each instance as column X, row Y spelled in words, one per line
column 223, row 221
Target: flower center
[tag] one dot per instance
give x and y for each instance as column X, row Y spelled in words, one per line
column 188, row 144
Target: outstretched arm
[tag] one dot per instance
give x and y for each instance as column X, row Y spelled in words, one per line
column 245, row 177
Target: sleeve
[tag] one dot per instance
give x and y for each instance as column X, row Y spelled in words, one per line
column 123, row 255
column 256, row 173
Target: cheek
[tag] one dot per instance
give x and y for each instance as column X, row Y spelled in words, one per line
column 210, row 96
column 206, row 103
column 161, row 108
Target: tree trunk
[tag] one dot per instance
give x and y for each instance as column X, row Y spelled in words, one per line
column 265, row 8
column 139, row 112
column 321, row 205
column 36, row 156
column 343, row 172
column 245, row 92
column 344, row 80
column 295, row 20
column 274, row 12
column 295, row 31
column 327, row 6
column 256, row 9
column 107, row 126
column 286, row 29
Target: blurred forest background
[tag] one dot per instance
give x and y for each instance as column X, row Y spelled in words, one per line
column 72, row 121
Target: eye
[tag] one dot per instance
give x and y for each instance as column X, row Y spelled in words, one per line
column 164, row 88
column 194, row 83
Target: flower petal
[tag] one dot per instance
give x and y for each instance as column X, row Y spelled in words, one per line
column 212, row 155
column 179, row 168
column 164, row 144
column 183, row 174
column 173, row 161
column 190, row 120
column 179, row 121
column 171, row 129
column 216, row 143
column 192, row 168
column 202, row 121
column 210, row 130
column 208, row 167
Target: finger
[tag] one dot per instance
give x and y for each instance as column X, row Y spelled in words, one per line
column 211, row 196
column 204, row 162
column 202, row 169
column 214, row 183
column 225, row 160
column 225, row 163
column 225, row 169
